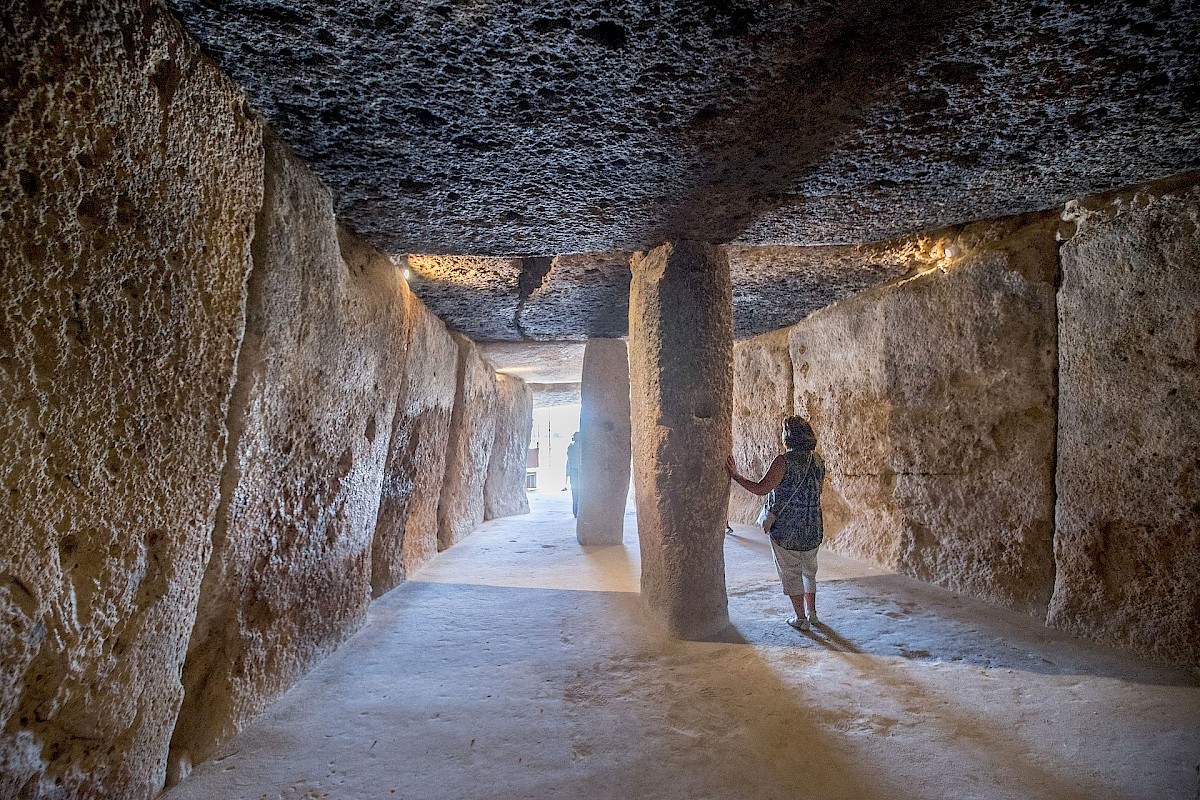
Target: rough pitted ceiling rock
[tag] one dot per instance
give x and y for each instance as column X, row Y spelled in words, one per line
column 518, row 128
column 587, row 296
column 477, row 296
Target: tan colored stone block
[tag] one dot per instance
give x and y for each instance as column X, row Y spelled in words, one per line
column 681, row 384
column 934, row 406
column 549, row 395
column 129, row 183
column 504, row 491
column 604, row 441
column 406, row 527
column 762, row 397
column 1127, row 543
column 319, row 370
column 472, row 434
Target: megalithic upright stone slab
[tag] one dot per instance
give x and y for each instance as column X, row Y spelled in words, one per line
column 681, row 379
column 604, row 439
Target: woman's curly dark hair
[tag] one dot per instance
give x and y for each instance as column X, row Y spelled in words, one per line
column 798, row 434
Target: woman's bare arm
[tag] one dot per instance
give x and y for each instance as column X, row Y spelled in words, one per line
column 768, row 484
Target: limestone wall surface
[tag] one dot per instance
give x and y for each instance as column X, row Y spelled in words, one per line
column 934, row 406
column 129, row 183
column 762, row 397
column 504, row 488
column 320, row 368
column 406, row 529
column 472, row 435
column 1127, row 541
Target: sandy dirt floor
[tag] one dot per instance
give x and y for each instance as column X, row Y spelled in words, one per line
column 519, row 665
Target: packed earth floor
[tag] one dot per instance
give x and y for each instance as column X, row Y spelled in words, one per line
column 519, row 665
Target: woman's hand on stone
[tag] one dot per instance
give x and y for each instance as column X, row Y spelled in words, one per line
column 731, row 467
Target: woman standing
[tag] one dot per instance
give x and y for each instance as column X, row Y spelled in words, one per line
column 794, row 483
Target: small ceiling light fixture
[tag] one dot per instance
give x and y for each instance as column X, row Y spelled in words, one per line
column 407, row 274
column 952, row 251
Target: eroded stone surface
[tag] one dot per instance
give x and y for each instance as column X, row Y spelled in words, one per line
column 504, row 489
column 319, row 370
column 1127, row 543
column 549, row 395
column 549, row 127
column 681, row 382
column 472, row 434
column 762, row 397
column 584, row 296
column 604, row 431
column 774, row 287
column 129, row 183
column 587, row 295
column 406, row 526
column 538, row 362
column 934, row 406
column 452, row 286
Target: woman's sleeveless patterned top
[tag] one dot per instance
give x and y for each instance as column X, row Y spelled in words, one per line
column 798, row 525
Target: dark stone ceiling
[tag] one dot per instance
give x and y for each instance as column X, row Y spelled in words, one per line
column 538, row 128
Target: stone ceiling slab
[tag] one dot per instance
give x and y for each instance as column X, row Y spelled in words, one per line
column 587, row 296
column 550, row 127
column 538, row 362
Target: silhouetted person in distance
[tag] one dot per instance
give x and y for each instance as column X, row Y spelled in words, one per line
column 573, row 473
column 794, row 484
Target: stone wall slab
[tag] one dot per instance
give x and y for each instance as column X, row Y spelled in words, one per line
column 934, row 404
column 1127, row 542
column 472, row 435
column 406, row 527
column 320, row 368
column 504, row 491
column 762, row 397
column 129, row 182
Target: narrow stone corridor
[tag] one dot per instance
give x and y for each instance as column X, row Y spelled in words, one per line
column 519, row 664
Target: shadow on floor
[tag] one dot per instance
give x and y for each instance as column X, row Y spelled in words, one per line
column 896, row 616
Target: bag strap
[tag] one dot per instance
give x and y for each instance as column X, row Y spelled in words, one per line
column 796, row 491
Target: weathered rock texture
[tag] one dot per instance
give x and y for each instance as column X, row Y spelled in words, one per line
column 774, row 287
column 472, row 434
column 586, row 294
column 504, row 490
column 1127, row 543
column 545, row 127
column 604, row 431
column 762, row 397
column 452, row 286
column 681, row 382
column 934, row 406
column 129, row 183
column 319, row 370
column 538, row 362
column 406, row 528
column 512, row 303
column 549, row 395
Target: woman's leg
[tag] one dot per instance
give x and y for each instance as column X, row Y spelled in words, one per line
column 810, row 583
column 800, row 621
column 785, row 562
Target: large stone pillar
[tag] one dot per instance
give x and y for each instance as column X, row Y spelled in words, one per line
column 604, row 442
column 681, row 378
